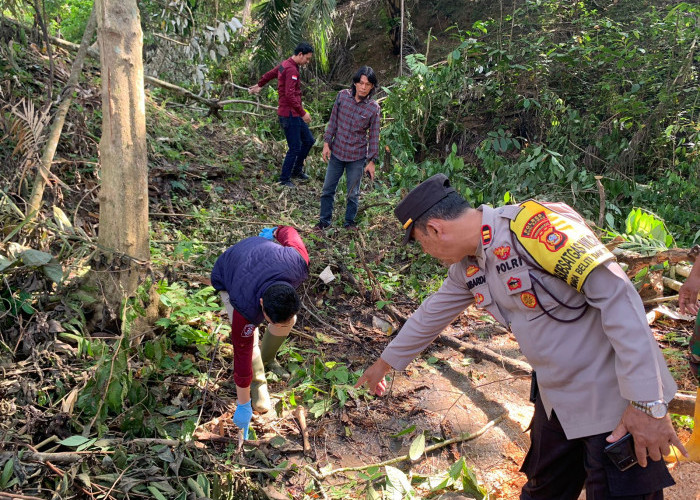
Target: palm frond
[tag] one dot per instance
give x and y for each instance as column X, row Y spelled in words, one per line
column 271, row 16
column 285, row 23
column 321, row 29
column 27, row 126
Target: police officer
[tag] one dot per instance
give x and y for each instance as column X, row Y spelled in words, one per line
column 537, row 268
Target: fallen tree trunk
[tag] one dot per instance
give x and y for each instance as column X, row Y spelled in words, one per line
column 636, row 262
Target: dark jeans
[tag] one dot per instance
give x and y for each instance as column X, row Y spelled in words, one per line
column 557, row 468
column 353, row 175
column 299, row 142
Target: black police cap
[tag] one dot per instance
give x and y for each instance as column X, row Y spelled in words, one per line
column 421, row 199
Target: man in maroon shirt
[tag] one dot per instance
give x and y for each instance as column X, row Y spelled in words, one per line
column 350, row 144
column 293, row 118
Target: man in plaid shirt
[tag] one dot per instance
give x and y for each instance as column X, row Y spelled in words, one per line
column 350, row 145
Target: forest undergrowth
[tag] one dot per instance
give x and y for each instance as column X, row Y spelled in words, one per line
column 89, row 409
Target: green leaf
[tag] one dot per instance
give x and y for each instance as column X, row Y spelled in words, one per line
column 62, row 220
column 74, row 441
column 417, row 447
column 114, row 395
column 609, row 219
column 5, row 263
column 398, row 486
column 7, row 473
column 407, row 430
column 86, row 444
column 156, row 494
column 470, row 484
column 35, row 258
column 53, row 271
column 371, row 493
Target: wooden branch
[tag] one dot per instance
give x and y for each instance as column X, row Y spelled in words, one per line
column 171, row 40
column 672, row 284
column 243, row 101
column 682, row 404
column 69, row 457
column 54, row 135
column 659, row 300
column 601, row 195
column 334, row 329
column 476, row 351
column 300, row 414
column 683, row 270
column 636, row 262
column 12, row 496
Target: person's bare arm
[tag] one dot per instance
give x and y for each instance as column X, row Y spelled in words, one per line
column 688, row 294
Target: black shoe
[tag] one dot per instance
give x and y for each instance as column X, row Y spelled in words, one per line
column 288, row 184
column 351, row 227
column 302, row 176
column 321, row 227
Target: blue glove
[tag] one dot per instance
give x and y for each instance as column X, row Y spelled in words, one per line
column 242, row 417
column 268, row 232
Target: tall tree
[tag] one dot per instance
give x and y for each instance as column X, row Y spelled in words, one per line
column 123, row 230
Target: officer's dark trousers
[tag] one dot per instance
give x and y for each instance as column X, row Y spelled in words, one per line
column 558, row 468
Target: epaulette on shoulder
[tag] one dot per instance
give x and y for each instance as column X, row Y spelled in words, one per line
column 509, row 211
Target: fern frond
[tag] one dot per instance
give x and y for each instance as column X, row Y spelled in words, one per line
column 28, row 128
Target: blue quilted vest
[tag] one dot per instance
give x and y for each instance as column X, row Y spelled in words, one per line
column 249, row 267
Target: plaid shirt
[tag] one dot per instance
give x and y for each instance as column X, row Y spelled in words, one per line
column 353, row 130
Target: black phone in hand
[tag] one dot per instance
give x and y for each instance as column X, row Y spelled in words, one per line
column 621, row 452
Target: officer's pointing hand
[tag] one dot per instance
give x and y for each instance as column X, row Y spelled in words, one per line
column 374, row 377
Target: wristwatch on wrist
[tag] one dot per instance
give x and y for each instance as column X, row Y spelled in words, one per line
column 655, row 409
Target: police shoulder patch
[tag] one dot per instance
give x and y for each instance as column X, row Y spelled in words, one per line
column 564, row 247
column 514, row 283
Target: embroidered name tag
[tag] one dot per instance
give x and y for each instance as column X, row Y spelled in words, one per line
column 563, row 247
